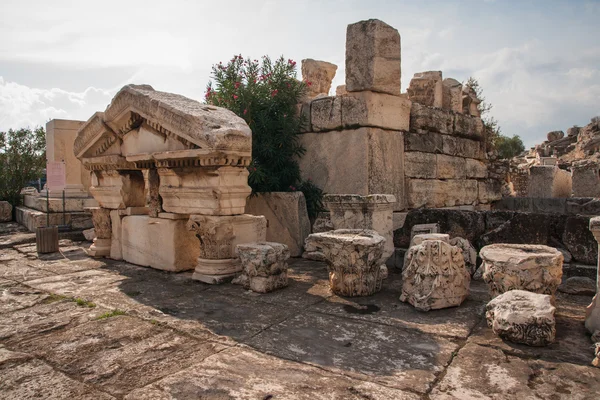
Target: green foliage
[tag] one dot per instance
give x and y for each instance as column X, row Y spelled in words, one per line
column 84, row 303
column 22, row 159
column 509, row 147
column 110, row 314
column 266, row 95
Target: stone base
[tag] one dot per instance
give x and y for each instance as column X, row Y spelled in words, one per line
column 71, row 191
column 56, row 204
column 215, row 272
column 159, row 243
column 100, row 248
column 33, row 219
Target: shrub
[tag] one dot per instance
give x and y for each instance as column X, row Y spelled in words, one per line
column 22, row 159
column 266, row 95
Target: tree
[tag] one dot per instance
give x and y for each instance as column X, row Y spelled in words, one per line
column 266, row 95
column 22, row 159
column 505, row 146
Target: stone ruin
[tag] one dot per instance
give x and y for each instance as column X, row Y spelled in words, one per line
column 426, row 147
column 165, row 170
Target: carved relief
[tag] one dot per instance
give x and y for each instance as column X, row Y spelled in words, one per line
column 264, row 266
column 435, row 276
column 102, row 224
column 215, row 238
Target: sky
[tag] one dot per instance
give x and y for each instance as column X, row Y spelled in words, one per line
column 538, row 62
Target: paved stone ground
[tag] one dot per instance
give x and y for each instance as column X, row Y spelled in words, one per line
column 79, row 328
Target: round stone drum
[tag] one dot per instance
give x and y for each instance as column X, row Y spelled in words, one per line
column 535, row 268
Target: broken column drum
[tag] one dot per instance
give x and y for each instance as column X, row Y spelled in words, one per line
column 354, row 259
column 535, row 268
column 196, row 157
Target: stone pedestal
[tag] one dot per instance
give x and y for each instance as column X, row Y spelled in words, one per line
column 592, row 314
column 218, row 236
column 522, row 317
column 354, row 258
column 373, row 212
column 534, row 268
column 434, row 276
column 319, row 74
column 264, row 266
column 103, row 230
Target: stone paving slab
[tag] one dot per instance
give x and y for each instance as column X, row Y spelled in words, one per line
column 396, row 357
column 26, row 378
column 241, row 373
column 480, row 372
column 385, row 307
column 20, row 271
column 16, row 297
column 118, row 353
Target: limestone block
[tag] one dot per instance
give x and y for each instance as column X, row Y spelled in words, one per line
column 5, row 211
column 475, row 169
column 373, row 212
column 522, row 317
column 461, row 192
column 313, row 249
column 354, row 258
column 326, row 114
column 425, row 192
column 218, row 235
column 578, row 285
column 420, row 165
column 379, row 110
column 154, row 199
column 468, row 126
column 319, row 74
column 586, row 179
column 469, row 253
column 304, row 110
column 535, row 268
column 322, row 223
column 592, row 315
column 555, row 135
column 549, row 181
column 373, row 166
column 423, row 229
column 434, row 276
column 60, row 139
column 71, row 204
column 573, row 131
column 103, row 232
column 207, row 191
column 264, row 266
column 449, row 167
column 118, row 189
column 287, row 218
column 462, row 147
column 398, row 219
column 470, row 102
column 426, row 88
column 423, row 118
column 452, row 95
column 158, row 243
column 89, row 234
column 489, row 191
column 33, row 219
column 372, row 57
column 341, row 90
column 427, row 142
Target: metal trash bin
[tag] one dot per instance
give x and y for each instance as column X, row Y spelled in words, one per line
column 46, row 239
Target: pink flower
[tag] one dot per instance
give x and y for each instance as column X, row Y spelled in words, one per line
column 237, row 85
column 308, row 83
column 245, row 111
column 235, row 97
column 274, row 93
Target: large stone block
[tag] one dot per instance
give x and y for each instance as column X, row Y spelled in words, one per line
column 534, row 268
column 373, row 212
column 374, row 109
column 449, row 167
column 420, row 165
column 522, row 317
column 427, row 142
column 586, row 179
column 319, row 74
column 374, row 164
column 118, row 189
column 5, row 211
column 264, row 266
column 578, row 239
column 462, row 147
column 159, row 243
column 489, row 191
column 466, row 125
column 423, row 118
column 33, row 219
column 372, row 57
column 549, row 181
column 207, row 191
column 116, row 243
column 54, row 204
column 287, row 218
column 461, row 192
column 452, row 95
column 475, row 169
column 426, row 88
column 425, row 192
column 434, row 276
column 326, row 114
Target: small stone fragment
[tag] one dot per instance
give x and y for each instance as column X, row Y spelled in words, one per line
column 469, row 253
column 522, row 317
column 578, row 285
column 264, row 266
column 319, row 74
column 90, row 234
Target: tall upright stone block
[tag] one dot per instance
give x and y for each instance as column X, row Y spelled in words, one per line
column 426, row 88
column 549, row 181
column 372, row 57
column 318, row 75
column 586, row 179
column 592, row 314
column 452, row 95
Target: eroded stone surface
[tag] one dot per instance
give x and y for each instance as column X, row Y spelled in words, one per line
column 535, row 268
column 5, row 211
column 434, row 276
column 469, row 253
column 522, row 317
column 264, row 266
column 319, row 74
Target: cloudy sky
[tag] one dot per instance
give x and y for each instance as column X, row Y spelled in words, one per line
column 537, row 61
